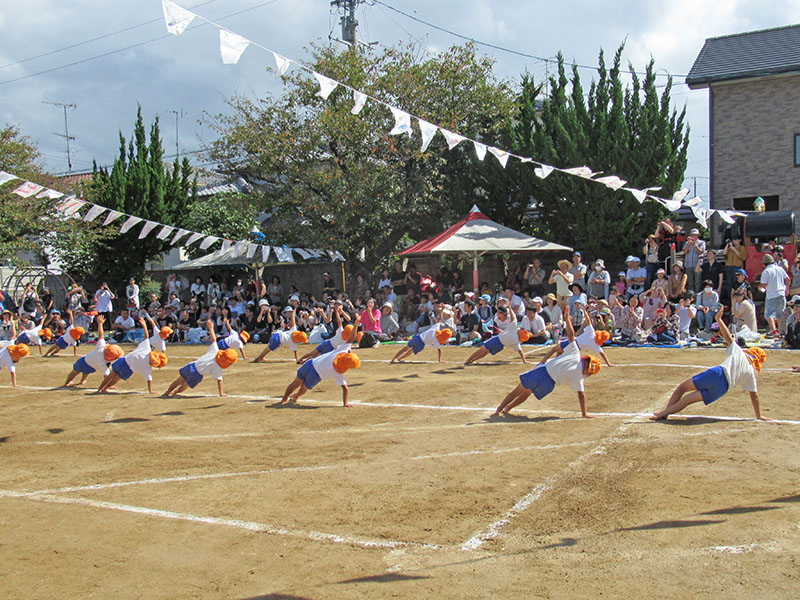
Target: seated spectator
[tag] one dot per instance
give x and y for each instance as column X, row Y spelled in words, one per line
column 515, row 302
column 793, row 324
column 686, row 314
column 636, row 275
column 742, row 285
column 707, row 306
column 621, row 285
column 577, row 296
column 469, row 325
column 603, row 319
column 676, row 286
column 666, row 327
column 198, row 290
column 794, row 273
column 599, row 280
column 485, row 313
column 743, row 312
column 81, row 319
column 534, row 323
column 185, row 323
column 153, row 304
column 652, row 301
column 123, row 324
column 661, row 282
column 630, row 321
column 390, row 328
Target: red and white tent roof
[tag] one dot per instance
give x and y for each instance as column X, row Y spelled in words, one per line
column 477, row 234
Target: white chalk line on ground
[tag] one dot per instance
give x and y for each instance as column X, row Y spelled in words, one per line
column 236, row 523
column 743, row 548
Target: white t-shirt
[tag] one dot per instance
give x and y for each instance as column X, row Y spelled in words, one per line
column 738, row 369
column 5, row 360
column 139, row 360
column 157, row 343
column 517, row 305
column 34, row 335
column 562, row 286
column 567, row 367
column 103, row 299
column 95, row 358
column 67, row 337
column 337, row 339
column 535, row 325
column 234, row 341
column 502, row 325
column 128, row 323
column 207, row 364
column 429, row 336
column 286, row 338
column 774, row 278
column 510, row 338
column 555, row 314
column 685, row 316
column 323, row 364
column 586, row 340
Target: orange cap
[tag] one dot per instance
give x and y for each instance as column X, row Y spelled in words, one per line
column 46, row 333
column 112, row 352
column 601, row 337
column 524, row 335
column 347, row 331
column 225, row 358
column 443, row 335
column 345, row 361
column 593, row 364
column 76, row 332
column 165, row 332
column 757, row 357
column 299, row 337
column 244, row 336
column 18, row 351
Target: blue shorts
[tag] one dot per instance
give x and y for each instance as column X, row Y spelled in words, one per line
column 274, row 341
column 416, row 344
column 81, row 366
column 493, row 345
column 564, row 343
column 712, row 384
column 774, row 307
column 23, row 338
column 222, row 344
column 324, row 347
column 62, row 343
column 190, row 375
column 308, row 374
column 538, row 381
column 121, row 368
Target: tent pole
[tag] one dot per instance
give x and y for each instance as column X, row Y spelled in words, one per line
column 475, row 273
column 344, row 284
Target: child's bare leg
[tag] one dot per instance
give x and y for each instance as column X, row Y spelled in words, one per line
column 401, row 354
column 260, row 357
column 182, row 387
column 309, row 356
column 291, row 388
column 302, row 390
column 111, row 379
column 477, row 355
column 70, row 377
column 521, row 397
column 171, row 390
column 678, row 406
column 509, row 398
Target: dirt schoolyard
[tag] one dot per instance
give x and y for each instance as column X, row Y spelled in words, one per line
column 416, row 491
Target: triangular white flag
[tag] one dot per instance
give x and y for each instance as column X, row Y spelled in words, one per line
column 193, row 238
column 165, row 232
column 6, row 177
column 226, row 245
column 584, row 172
column 402, row 122
column 210, row 239
column 148, row 227
column 326, row 85
column 52, row 194
column 701, row 214
column 612, row 181
column 176, row 17
column 671, row 205
column 725, row 215
column 680, row 194
column 251, row 250
column 264, row 253
column 428, row 130
column 640, row 195
column 28, row 189
column 693, row 202
column 500, row 155
column 178, row 235
column 74, row 207
column 111, row 217
column 129, row 223
column 282, row 63
column 453, row 139
column 304, row 254
column 525, row 159
column 480, row 150
column 94, row 212
column 68, row 203
column 359, row 100
column 231, row 46
column 543, row 171
column 240, row 246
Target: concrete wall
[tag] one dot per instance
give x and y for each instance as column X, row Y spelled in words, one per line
column 753, row 123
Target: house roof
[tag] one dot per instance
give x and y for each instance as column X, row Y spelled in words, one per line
column 746, row 55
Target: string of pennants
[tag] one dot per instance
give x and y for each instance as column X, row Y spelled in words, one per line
column 70, row 206
column 233, row 45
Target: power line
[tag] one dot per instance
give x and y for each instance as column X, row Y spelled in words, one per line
column 495, row 46
column 109, row 53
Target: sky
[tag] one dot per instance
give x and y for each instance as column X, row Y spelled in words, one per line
column 105, row 57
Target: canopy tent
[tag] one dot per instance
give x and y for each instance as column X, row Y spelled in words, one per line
column 220, row 258
column 476, row 235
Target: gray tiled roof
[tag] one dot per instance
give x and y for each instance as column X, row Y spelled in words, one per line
column 744, row 55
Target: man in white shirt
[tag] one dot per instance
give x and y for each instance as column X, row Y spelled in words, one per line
column 123, row 324
column 534, row 322
column 515, row 302
column 102, row 299
column 774, row 281
column 635, row 276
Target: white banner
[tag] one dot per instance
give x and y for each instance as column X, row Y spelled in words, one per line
column 500, row 155
column 28, row 189
column 176, row 17
column 208, row 241
column 251, row 250
column 6, row 177
column 304, row 254
column 226, row 245
column 129, row 223
column 671, row 205
column 359, row 100
column 264, row 253
column 231, row 46
column 281, row 64
column 240, row 247
column 640, row 195
column 75, row 205
column 725, row 215
column 282, row 254
column 326, row 85
column 543, row 171
column 193, row 238
column 702, row 215
column 693, row 202
column 453, row 139
column 165, row 232
column 612, row 181
column 111, row 217
column 51, row 194
column 94, row 212
column 178, row 236
column 428, row 131
column 584, row 172
column 402, row 122
column 480, row 150
column 148, row 227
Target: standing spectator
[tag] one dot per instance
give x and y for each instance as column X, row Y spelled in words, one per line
column 413, row 278
column 563, row 279
column 635, row 276
column 794, row 272
column 132, row 294
column 712, row 271
column 198, row 291
column 735, row 255
column 239, row 288
column 693, row 250
column 773, row 283
column 676, row 287
column 361, row 287
column 275, row 291
column 7, row 329
column 578, row 269
column 650, row 252
column 213, row 292
column 707, row 306
column 173, row 286
column 103, row 301
column 27, row 304
column 665, row 233
column 660, row 282
column 46, row 299
column 534, row 277
column 384, row 279
column 458, row 282
column 76, row 296
column 398, row 281
column 620, row 285
column 599, row 280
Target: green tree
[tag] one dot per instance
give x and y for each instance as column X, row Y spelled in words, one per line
column 629, row 132
column 337, row 180
column 230, row 216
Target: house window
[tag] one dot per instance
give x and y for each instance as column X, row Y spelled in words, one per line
column 797, row 149
column 745, row 204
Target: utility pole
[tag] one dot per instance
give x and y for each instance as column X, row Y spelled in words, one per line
column 66, row 134
column 348, row 21
column 177, row 114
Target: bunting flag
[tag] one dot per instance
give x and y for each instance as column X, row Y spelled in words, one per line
column 281, row 64
column 240, row 247
column 500, row 155
column 359, row 100
column 75, row 205
column 148, row 227
column 179, row 235
column 612, row 182
column 427, row 130
column 453, row 139
column 726, row 216
column 326, row 85
column 282, row 254
column 68, row 203
column 264, row 253
column 693, row 202
column 680, row 195
column 6, row 177
column 226, row 245
column 208, row 241
column 129, row 223
column 671, row 205
column 28, row 189
column 176, row 17
column 111, row 217
column 251, row 250
column 93, row 213
column 640, row 195
column 402, row 122
column 304, row 254
column 231, row 46
column 701, row 214
column 51, row 194
column 543, row 171
column 193, row 238
column 584, row 172
column 480, row 150
column 165, row 232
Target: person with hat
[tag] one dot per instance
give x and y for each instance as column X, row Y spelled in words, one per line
column 599, row 280
column 8, row 330
column 390, row 328
column 10, row 355
column 485, row 312
column 569, row 367
column 737, row 370
column 620, row 286
column 142, row 361
column 510, row 336
column 792, row 338
column 635, row 276
column 693, row 251
column 660, row 282
column 676, row 286
column 650, row 251
column 289, row 337
column 578, row 269
column 99, row 359
column 562, row 278
column 741, row 284
column 70, row 338
column 774, row 283
column 554, row 315
column 331, row 365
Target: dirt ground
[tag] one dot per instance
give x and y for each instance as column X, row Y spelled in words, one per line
column 414, row 492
